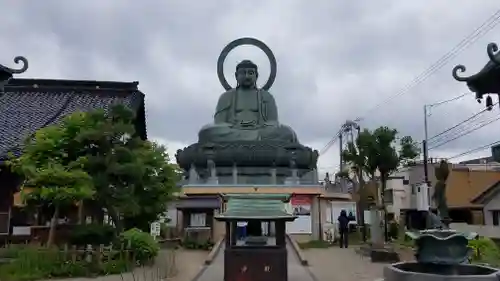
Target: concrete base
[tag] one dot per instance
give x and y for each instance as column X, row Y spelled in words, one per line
column 406, row 271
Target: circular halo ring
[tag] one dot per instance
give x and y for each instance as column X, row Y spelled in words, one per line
column 246, row 41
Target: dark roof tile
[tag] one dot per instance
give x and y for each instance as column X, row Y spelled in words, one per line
column 29, row 104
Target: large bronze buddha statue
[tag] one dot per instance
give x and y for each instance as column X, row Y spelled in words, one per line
column 246, row 137
column 246, row 112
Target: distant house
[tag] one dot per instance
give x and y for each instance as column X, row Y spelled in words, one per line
column 465, row 186
column 490, row 200
column 482, row 160
column 27, row 105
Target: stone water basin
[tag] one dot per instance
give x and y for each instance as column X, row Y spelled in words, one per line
column 415, row 271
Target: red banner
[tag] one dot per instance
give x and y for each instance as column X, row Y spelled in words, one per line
column 301, row 200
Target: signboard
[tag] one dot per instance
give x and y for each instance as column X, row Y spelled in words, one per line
column 300, row 205
column 155, row 229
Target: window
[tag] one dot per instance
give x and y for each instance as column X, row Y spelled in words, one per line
column 495, row 216
column 389, row 196
column 198, row 220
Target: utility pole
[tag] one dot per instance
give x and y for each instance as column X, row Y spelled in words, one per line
column 425, row 146
column 425, row 149
column 346, row 129
column 341, row 148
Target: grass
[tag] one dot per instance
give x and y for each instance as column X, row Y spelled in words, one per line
column 315, row 244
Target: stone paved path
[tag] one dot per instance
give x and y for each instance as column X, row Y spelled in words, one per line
column 296, row 272
column 336, row 264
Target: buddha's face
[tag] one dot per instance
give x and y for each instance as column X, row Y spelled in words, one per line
column 246, row 76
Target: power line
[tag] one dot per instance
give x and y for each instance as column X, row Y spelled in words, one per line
column 466, row 133
column 480, row 31
column 460, row 124
column 449, row 100
column 330, row 143
column 467, row 130
column 344, row 130
column 463, row 128
column 437, row 104
column 474, row 150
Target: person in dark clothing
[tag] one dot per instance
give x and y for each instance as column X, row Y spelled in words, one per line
column 343, row 229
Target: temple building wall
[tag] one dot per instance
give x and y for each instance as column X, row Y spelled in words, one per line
column 219, row 227
column 311, row 204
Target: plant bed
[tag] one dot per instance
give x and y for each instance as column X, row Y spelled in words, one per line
column 197, row 245
column 315, row 244
column 35, row 262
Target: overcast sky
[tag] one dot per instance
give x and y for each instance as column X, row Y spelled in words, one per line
column 336, row 59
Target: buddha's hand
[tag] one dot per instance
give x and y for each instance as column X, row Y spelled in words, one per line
column 247, row 124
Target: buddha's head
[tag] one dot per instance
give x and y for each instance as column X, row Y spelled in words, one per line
column 246, row 74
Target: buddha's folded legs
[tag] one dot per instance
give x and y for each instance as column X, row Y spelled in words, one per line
column 224, row 133
column 278, row 133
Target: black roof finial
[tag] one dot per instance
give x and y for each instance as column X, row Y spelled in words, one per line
column 6, row 72
column 493, row 53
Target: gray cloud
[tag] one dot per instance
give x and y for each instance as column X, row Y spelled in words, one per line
column 337, row 59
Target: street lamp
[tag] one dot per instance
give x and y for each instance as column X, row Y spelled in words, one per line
column 6, row 73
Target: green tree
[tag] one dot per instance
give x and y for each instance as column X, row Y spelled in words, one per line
column 132, row 178
column 56, row 178
column 377, row 150
column 360, row 155
column 389, row 158
column 156, row 188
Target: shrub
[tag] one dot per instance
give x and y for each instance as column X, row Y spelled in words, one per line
column 93, row 234
column 485, row 250
column 143, row 246
column 197, row 245
column 34, row 263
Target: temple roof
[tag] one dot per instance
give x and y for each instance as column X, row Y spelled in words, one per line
column 256, row 206
column 30, row 104
column 486, row 80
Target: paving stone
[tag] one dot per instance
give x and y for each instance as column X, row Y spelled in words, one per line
column 338, row 264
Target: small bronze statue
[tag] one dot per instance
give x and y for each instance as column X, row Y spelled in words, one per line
column 441, row 172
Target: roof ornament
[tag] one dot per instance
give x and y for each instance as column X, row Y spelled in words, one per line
column 493, row 53
column 7, row 72
column 487, row 81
